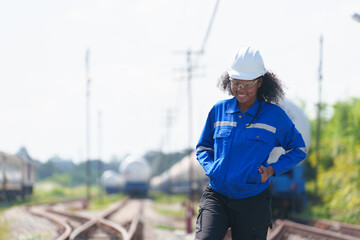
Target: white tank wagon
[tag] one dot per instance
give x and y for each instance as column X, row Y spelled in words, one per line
column 17, row 176
column 177, row 180
column 301, row 122
column 136, row 172
column 288, row 189
column 112, row 182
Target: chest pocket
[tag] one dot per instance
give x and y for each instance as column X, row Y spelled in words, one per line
column 222, row 132
column 260, row 136
column 222, row 141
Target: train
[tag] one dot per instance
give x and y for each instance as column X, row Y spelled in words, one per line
column 288, row 189
column 176, row 180
column 132, row 177
column 111, row 181
column 17, row 175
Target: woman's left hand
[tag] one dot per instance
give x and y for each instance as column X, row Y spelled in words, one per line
column 266, row 172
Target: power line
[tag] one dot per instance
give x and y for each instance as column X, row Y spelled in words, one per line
column 202, row 49
column 210, row 26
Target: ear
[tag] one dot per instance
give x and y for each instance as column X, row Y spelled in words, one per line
column 260, row 82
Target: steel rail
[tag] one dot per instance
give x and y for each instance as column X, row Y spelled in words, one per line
column 135, row 222
column 345, row 228
column 102, row 220
column 285, row 226
column 77, row 217
column 66, row 227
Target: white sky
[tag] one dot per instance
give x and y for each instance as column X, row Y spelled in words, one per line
column 136, row 61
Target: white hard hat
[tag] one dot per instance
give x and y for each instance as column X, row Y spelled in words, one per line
column 247, row 65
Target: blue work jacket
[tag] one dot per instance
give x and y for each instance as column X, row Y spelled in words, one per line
column 231, row 151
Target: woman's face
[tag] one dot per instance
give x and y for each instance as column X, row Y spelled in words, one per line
column 245, row 91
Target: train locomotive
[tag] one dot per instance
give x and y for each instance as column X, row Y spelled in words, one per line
column 288, row 189
column 17, row 175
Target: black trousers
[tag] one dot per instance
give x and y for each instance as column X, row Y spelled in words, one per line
column 249, row 218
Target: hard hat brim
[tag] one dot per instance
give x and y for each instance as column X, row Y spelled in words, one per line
column 244, row 75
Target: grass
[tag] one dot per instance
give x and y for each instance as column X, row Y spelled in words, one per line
column 166, row 227
column 4, row 227
column 105, row 200
column 318, row 209
column 163, row 198
column 169, row 204
column 35, row 237
column 180, row 213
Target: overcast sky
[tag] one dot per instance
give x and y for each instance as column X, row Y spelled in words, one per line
column 137, row 67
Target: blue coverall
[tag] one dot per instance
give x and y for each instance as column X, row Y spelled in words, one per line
column 232, row 152
column 231, row 149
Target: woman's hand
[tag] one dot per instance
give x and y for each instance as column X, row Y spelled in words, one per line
column 266, row 172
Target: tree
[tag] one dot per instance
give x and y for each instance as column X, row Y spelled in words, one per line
column 339, row 168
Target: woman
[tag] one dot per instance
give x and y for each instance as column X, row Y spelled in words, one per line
column 238, row 136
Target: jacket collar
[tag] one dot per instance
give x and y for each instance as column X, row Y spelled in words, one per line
column 232, row 107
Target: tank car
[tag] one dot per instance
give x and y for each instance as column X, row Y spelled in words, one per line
column 112, row 182
column 28, row 171
column 17, row 174
column 176, row 179
column 136, row 173
column 288, row 189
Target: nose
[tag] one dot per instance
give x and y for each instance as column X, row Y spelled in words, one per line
column 240, row 86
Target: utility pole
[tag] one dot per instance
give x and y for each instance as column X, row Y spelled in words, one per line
column 88, row 173
column 189, row 70
column 189, row 73
column 189, row 93
column 318, row 125
column 100, row 154
column 190, row 207
column 168, row 126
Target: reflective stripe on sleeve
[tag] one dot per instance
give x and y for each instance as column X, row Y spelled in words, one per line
column 225, row 123
column 263, row 126
column 202, row 148
column 301, row 148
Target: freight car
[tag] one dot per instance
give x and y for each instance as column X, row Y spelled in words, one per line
column 136, row 172
column 17, row 175
column 288, row 189
column 176, row 179
column 112, row 182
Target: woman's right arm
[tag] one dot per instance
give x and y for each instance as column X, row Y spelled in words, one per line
column 205, row 146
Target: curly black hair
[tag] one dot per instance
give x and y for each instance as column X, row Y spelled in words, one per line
column 271, row 89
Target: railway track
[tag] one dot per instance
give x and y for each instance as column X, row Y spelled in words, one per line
column 121, row 221
column 311, row 229
column 343, row 228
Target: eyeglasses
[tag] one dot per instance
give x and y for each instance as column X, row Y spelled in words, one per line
column 243, row 86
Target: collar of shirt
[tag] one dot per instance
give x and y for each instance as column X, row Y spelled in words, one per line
column 232, row 107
